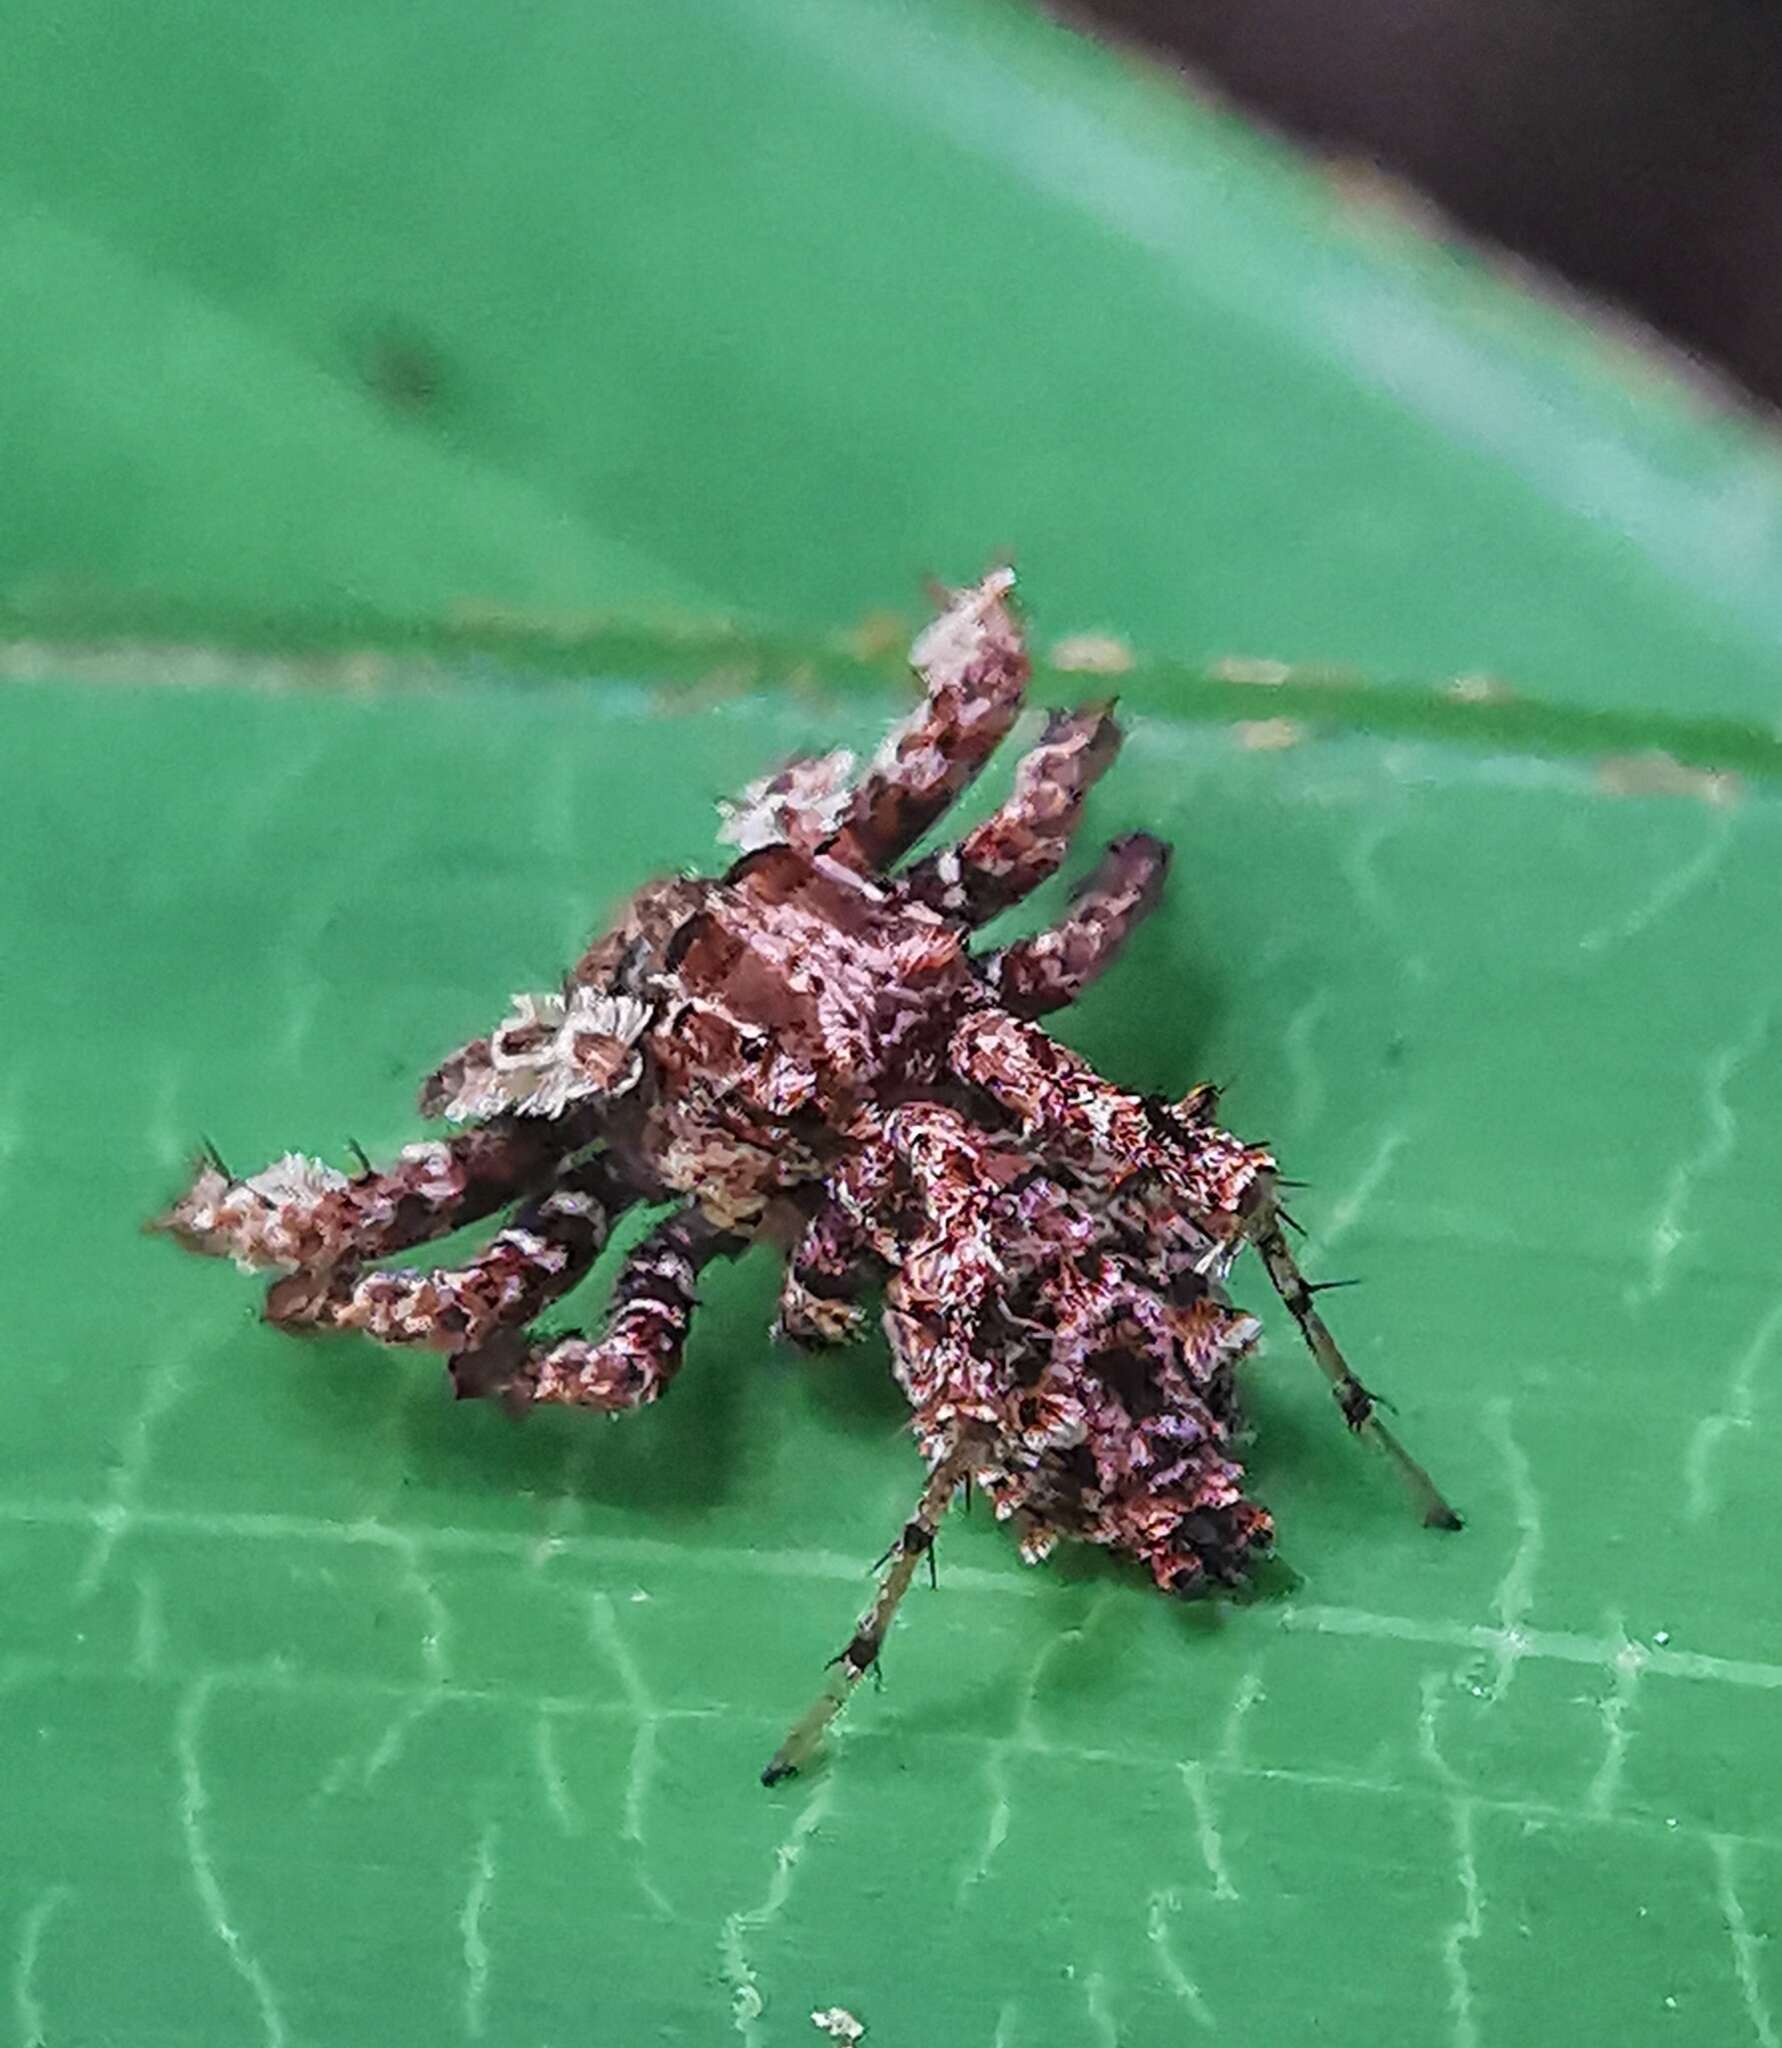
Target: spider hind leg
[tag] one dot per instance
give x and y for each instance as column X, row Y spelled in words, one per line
column 1024, row 842
column 861, row 1654
column 1359, row 1407
column 1043, row 973
column 973, row 661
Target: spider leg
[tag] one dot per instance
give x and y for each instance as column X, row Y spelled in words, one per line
column 1018, row 846
column 638, row 1352
column 832, row 1263
column 1357, row 1404
column 820, row 1305
column 1054, row 967
column 1107, row 1133
column 799, row 805
column 298, row 1215
column 974, row 663
column 914, row 1542
column 541, row 1254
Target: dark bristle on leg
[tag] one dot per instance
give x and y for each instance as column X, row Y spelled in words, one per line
column 915, row 1541
column 1352, row 1397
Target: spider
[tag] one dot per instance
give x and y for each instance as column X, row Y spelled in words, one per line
column 807, row 1051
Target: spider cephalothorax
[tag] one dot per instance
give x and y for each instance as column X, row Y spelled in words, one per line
column 807, row 1049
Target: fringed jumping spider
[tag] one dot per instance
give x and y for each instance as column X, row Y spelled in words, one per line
column 807, row 1050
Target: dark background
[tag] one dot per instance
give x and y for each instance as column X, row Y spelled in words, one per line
column 1633, row 145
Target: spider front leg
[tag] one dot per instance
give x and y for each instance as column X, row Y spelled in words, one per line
column 1044, row 973
column 819, row 1297
column 301, row 1216
column 639, row 1351
column 541, row 1254
column 914, row 1542
column 1022, row 843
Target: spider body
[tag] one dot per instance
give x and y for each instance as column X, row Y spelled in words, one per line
column 809, row 1050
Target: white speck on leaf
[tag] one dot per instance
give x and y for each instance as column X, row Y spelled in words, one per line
column 838, row 2023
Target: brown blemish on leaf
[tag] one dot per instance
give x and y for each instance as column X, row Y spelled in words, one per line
column 1251, row 669
column 1479, row 689
column 1660, row 774
column 876, row 635
column 1269, row 735
column 1095, row 654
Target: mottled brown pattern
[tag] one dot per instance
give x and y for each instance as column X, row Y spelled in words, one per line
column 810, row 1037
column 1014, row 850
column 1050, row 970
